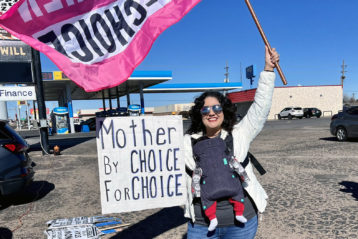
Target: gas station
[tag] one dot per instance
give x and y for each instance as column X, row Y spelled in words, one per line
column 57, row 87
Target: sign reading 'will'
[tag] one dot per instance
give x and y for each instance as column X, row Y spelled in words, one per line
column 14, row 51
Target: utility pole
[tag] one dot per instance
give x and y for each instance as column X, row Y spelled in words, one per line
column 226, row 73
column 343, row 71
column 240, row 73
column 226, row 80
column 37, row 77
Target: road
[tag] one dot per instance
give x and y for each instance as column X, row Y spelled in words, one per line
column 311, row 180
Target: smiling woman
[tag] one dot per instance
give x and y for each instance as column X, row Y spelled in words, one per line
column 221, row 190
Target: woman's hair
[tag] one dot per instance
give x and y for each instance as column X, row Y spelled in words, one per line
column 229, row 111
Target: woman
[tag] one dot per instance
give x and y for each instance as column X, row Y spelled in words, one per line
column 214, row 116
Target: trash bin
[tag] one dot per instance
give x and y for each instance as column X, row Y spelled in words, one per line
column 85, row 128
column 134, row 110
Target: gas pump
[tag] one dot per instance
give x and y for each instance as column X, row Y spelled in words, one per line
column 134, row 110
column 59, row 119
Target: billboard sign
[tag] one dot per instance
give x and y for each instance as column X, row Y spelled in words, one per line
column 47, row 76
column 59, row 75
column 14, row 51
column 17, row 93
column 250, row 72
column 15, row 73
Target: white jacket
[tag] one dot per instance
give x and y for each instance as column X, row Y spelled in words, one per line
column 243, row 133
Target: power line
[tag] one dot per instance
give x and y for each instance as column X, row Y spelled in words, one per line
column 343, row 71
column 226, row 73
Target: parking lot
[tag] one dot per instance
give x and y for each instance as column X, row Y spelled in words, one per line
column 311, row 180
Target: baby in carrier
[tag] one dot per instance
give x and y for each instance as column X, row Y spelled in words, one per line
column 215, row 178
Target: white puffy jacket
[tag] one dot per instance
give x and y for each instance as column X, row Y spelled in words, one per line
column 243, row 133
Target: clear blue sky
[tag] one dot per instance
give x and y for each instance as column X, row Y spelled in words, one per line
column 313, row 37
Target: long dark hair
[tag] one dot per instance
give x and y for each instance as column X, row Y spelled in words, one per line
column 229, row 110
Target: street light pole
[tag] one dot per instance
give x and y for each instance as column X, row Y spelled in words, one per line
column 37, row 78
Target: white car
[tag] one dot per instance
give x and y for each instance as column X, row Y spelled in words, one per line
column 291, row 112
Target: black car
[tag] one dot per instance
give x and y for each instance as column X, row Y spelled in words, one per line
column 311, row 112
column 91, row 122
column 344, row 125
column 16, row 171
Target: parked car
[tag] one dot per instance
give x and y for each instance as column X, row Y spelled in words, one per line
column 311, row 112
column 91, row 122
column 16, row 171
column 344, row 125
column 291, row 112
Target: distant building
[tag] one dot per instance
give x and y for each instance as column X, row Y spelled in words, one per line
column 173, row 109
column 327, row 98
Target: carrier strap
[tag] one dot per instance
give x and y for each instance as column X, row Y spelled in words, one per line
column 229, row 147
column 249, row 157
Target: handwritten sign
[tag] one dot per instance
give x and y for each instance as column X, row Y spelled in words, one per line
column 140, row 162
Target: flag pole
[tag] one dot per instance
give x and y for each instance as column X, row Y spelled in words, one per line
column 283, row 78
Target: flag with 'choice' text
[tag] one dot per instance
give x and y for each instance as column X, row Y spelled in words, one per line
column 96, row 43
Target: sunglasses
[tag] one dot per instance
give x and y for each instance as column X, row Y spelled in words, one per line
column 217, row 109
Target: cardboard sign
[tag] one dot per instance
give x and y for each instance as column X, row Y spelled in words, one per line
column 140, row 162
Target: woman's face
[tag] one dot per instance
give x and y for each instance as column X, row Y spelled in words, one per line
column 212, row 120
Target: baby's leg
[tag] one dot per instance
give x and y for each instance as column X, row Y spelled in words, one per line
column 210, row 212
column 239, row 210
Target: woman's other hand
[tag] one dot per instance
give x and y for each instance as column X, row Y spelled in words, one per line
column 271, row 59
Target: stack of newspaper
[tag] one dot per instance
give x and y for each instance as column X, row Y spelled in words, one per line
column 83, row 227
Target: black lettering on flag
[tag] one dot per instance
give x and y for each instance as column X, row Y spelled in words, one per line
column 151, row 2
column 119, row 25
column 69, row 28
column 95, row 19
column 51, row 37
column 89, row 38
column 140, row 9
column 97, row 34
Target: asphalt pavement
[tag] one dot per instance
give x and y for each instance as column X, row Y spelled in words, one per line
column 311, row 180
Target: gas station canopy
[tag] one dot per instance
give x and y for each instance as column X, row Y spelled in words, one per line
column 56, row 83
column 192, row 87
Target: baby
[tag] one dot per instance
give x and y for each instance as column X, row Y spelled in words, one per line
column 214, row 178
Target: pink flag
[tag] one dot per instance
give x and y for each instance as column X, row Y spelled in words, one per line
column 96, row 43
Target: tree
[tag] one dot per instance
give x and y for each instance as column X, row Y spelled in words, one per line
column 346, row 99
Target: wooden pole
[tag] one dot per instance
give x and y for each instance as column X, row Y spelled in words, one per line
column 283, row 78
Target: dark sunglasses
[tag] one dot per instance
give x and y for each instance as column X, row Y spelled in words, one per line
column 217, row 109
